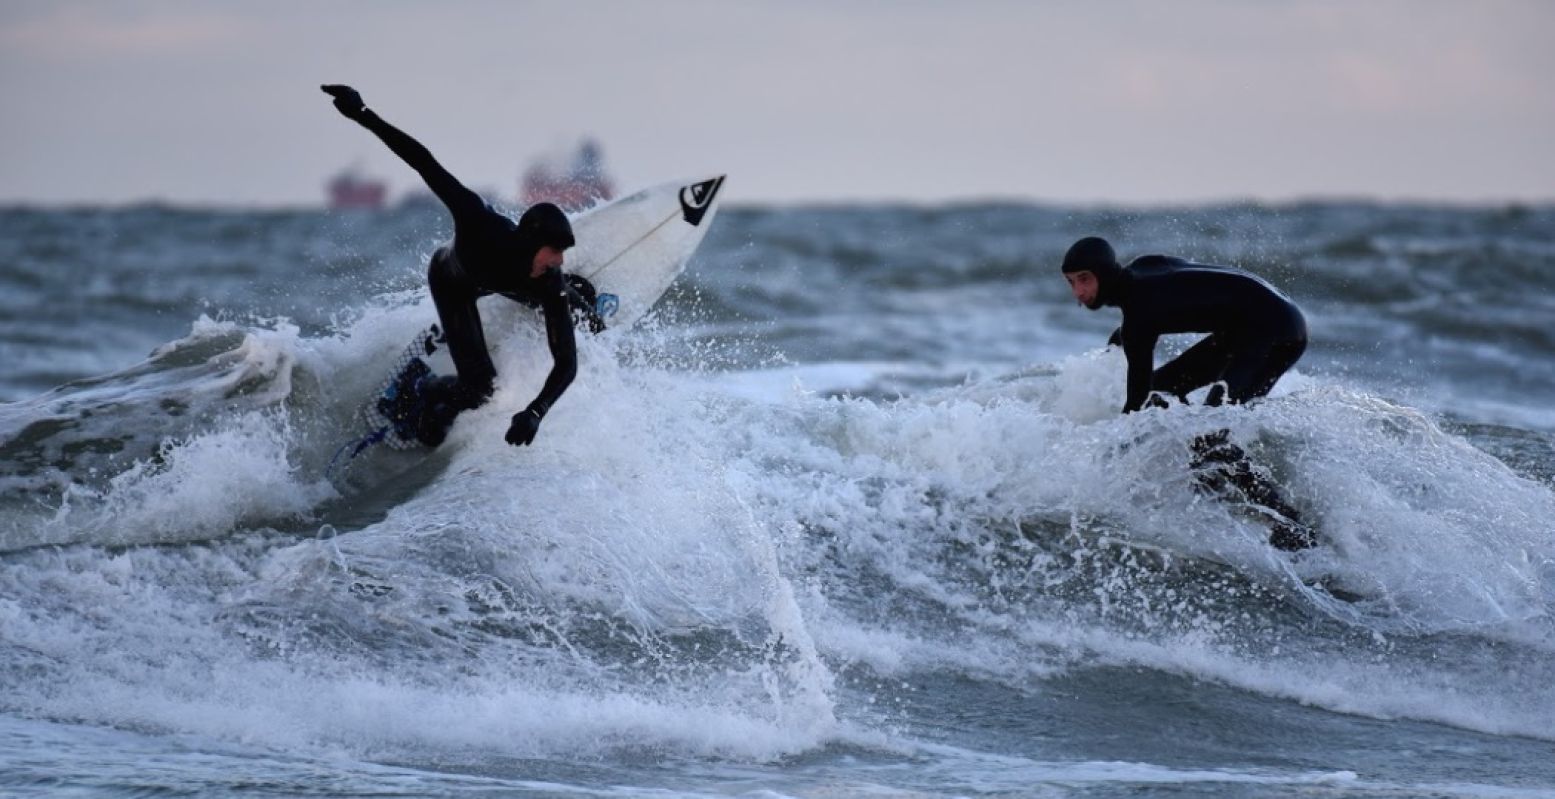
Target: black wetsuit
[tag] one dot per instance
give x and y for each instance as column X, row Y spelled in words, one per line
column 490, row 254
column 1255, row 332
column 1255, row 335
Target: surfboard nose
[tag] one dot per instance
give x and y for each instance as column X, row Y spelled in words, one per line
column 703, row 191
column 697, row 198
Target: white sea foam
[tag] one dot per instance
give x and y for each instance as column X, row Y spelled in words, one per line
column 561, row 599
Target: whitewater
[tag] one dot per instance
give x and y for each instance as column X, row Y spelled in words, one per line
column 854, row 511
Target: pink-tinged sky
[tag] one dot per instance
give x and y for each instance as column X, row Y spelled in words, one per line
column 1114, row 102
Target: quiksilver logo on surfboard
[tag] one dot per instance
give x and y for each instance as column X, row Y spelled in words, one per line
column 698, row 197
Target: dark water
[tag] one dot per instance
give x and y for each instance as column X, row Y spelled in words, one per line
column 853, row 513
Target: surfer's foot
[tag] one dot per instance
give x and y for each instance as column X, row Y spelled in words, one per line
column 433, row 425
column 400, row 403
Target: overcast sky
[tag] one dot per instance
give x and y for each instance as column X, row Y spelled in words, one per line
column 1116, row 102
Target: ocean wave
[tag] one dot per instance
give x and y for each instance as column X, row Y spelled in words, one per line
column 713, row 550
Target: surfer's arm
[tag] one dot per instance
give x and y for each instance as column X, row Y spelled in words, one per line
column 564, row 351
column 564, row 357
column 455, row 196
column 460, row 200
column 1140, row 351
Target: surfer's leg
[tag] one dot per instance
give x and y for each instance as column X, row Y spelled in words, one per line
column 1254, row 371
column 444, row 398
column 1221, row 464
column 1263, row 357
column 1251, row 372
column 1198, row 366
column 455, row 297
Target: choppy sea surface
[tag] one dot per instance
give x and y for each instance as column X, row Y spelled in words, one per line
column 853, row 513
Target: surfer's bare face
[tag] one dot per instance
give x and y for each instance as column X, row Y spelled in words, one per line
column 546, row 259
column 1085, row 287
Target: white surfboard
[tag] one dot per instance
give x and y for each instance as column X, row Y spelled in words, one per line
column 631, row 249
column 635, row 247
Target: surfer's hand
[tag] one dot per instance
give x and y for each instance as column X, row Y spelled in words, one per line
column 347, row 101
column 525, row 424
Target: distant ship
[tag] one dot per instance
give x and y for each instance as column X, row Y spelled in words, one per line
column 352, row 189
column 573, row 183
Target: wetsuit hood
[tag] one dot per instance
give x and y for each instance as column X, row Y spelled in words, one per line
column 544, row 225
column 1093, row 254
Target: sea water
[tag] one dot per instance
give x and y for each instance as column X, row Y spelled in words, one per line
column 854, row 512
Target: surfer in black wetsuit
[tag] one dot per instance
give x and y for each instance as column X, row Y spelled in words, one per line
column 489, row 254
column 1255, row 332
column 1255, row 335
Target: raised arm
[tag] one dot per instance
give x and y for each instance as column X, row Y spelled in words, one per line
column 564, row 357
column 460, row 200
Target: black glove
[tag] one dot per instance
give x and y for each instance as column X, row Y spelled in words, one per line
column 347, row 101
column 525, row 424
column 1116, row 339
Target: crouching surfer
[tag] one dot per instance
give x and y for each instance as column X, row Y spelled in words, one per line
column 489, row 254
column 1255, row 335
